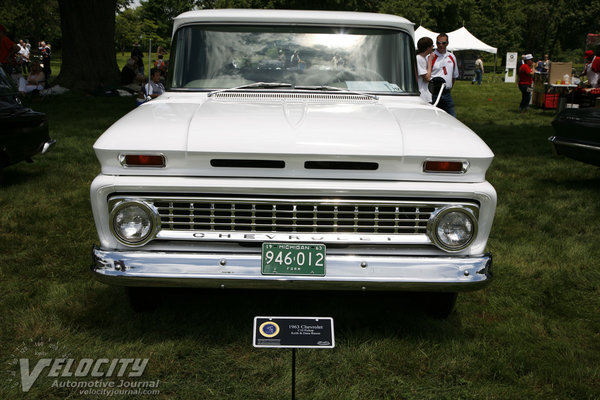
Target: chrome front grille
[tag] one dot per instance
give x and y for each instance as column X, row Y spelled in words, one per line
column 323, row 220
column 310, row 216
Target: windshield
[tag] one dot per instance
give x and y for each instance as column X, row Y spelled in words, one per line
column 221, row 57
column 7, row 85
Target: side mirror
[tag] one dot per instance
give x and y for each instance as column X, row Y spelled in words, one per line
column 436, row 87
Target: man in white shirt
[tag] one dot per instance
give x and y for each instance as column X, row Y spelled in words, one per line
column 24, row 54
column 445, row 66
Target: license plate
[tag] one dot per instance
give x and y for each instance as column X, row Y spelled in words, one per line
column 293, row 259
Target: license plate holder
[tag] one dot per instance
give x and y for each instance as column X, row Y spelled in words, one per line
column 300, row 259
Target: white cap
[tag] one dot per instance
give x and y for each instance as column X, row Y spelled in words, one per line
column 528, row 57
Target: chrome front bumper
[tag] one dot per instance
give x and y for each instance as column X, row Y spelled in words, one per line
column 243, row 271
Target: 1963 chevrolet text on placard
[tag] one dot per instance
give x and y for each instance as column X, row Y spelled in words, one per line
column 291, row 150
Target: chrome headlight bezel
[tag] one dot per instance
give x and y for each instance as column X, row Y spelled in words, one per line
column 152, row 214
column 438, row 216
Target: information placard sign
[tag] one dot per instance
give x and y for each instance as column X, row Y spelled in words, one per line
column 294, row 332
column 511, row 68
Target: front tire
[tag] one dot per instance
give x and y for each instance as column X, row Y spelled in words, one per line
column 143, row 299
column 439, row 305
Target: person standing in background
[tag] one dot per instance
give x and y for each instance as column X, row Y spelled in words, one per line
column 424, row 49
column 138, row 56
column 24, row 53
column 525, row 81
column 592, row 69
column 546, row 63
column 444, row 66
column 478, row 71
column 46, row 54
column 8, row 49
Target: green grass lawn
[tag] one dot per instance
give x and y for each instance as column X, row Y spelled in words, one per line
column 534, row 333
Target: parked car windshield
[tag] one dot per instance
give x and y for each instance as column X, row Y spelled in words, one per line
column 220, row 57
column 7, row 86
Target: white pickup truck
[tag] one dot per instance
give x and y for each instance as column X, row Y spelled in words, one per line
column 291, row 150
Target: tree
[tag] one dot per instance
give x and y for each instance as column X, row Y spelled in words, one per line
column 88, row 53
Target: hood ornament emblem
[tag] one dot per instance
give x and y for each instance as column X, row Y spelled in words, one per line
column 295, row 113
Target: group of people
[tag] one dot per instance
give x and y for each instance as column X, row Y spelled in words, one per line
column 132, row 74
column 543, row 65
column 436, row 63
column 526, row 71
column 18, row 59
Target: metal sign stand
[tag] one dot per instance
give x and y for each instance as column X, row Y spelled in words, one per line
column 293, row 333
column 294, row 374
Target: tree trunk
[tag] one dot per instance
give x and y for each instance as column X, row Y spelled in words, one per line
column 88, row 53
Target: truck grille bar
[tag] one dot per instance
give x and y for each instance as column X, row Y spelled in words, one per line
column 312, row 216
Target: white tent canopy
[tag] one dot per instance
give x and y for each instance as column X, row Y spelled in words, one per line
column 460, row 39
column 424, row 32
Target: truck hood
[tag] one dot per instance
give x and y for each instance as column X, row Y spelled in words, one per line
column 299, row 135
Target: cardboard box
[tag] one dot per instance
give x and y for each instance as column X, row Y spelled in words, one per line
column 558, row 70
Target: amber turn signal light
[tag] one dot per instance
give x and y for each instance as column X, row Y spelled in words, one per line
column 445, row 166
column 143, row 160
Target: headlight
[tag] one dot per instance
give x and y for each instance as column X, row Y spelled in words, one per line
column 452, row 228
column 134, row 223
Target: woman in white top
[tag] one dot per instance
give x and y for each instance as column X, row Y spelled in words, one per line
column 424, row 48
column 35, row 81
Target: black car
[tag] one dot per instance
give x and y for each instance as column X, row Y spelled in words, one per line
column 577, row 134
column 23, row 132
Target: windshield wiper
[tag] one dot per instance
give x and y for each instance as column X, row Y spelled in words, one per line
column 255, row 85
column 337, row 89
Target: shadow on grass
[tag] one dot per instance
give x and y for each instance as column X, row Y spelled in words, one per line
column 224, row 316
column 21, row 173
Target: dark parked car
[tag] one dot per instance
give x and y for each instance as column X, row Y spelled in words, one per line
column 577, row 134
column 23, row 132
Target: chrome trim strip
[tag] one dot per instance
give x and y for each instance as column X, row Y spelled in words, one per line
column 48, row 144
column 310, row 96
column 556, row 141
column 229, row 236
column 343, row 272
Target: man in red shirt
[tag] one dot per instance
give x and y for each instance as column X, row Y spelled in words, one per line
column 525, row 81
column 8, row 49
column 592, row 69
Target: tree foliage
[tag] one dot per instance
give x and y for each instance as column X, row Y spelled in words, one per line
column 557, row 27
column 131, row 27
column 35, row 20
column 537, row 26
